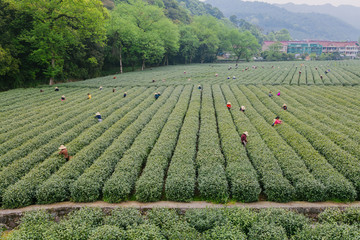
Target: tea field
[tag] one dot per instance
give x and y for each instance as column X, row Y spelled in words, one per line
column 186, row 145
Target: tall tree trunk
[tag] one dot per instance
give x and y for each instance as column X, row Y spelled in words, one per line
column 143, row 65
column 121, row 67
column 53, row 66
column 167, row 60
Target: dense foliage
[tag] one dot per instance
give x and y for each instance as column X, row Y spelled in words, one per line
column 57, row 41
column 228, row 223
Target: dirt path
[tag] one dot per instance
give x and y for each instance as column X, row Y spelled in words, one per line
column 179, row 205
column 9, row 218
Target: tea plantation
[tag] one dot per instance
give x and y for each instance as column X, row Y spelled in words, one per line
column 186, row 145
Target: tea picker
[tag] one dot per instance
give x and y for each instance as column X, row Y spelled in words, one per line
column 64, row 151
column 228, row 105
column 244, row 138
column 98, row 117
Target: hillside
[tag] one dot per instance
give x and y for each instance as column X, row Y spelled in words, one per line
column 194, row 7
column 346, row 13
column 300, row 25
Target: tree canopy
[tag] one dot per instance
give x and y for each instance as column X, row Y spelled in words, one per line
column 47, row 41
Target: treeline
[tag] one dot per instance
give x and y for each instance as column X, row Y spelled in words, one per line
column 46, row 41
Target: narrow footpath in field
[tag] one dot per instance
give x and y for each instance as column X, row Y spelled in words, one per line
column 305, row 207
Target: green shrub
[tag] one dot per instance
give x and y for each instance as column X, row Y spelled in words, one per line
column 181, row 175
column 243, row 179
column 150, row 185
column 124, row 217
column 88, row 186
column 32, row 226
column 350, row 216
column 212, row 182
column 241, row 217
column 224, row 233
column 205, row 219
column 329, row 231
column 77, row 225
column 119, row 186
column 57, row 187
column 292, row 222
column 265, row 231
column 107, row 232
column 144, row 231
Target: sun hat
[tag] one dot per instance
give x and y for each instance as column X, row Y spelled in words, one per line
column 246, row 133
column 62, row 147
column 63, row 96
column 228, row 102
column 97, row 113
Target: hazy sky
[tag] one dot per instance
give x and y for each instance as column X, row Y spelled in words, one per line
column 314, row 2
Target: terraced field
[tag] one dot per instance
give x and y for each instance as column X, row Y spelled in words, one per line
column 186, row 144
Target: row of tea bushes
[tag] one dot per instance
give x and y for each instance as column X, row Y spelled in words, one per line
column 150, row 185
column 337, row 186
column 204, row 224
column 181, row 175
column 23, row 192
column 122, row 182
column 242, row 177
column 88, row 187
column 306, row 186
column 210, row 162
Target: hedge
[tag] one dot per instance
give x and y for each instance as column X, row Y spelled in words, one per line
column 88, row 187
column 306, row 186
column 337, row 186
column 150, row 185
column 57, row 187
column 22, row 193
column 181, row 175
column 242, row 177
column 119, row 186
column 19, row 146
column 210, row 162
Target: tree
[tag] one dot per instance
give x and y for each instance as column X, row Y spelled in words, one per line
column 189, row 43
column 207, row 30
column 144, row 31
column 13, row 54
column 283, row 35
column 59, row 24
column 243, row 44
column 121, row 32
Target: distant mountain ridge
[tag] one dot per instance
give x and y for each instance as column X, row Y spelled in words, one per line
column 300, row 25
column 347, row 13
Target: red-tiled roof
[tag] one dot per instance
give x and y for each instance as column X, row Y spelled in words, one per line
column 323, row 43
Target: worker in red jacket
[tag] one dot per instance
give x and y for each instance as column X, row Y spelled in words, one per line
column 228, row 105
column 276, row 121
column 64, row 151
column 244, row 138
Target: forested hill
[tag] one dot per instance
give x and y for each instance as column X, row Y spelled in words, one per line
column 300, row 25
column 178, row 8
column 347, row 13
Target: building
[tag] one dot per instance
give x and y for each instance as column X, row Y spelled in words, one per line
column 348, row 49
column 302, row 48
